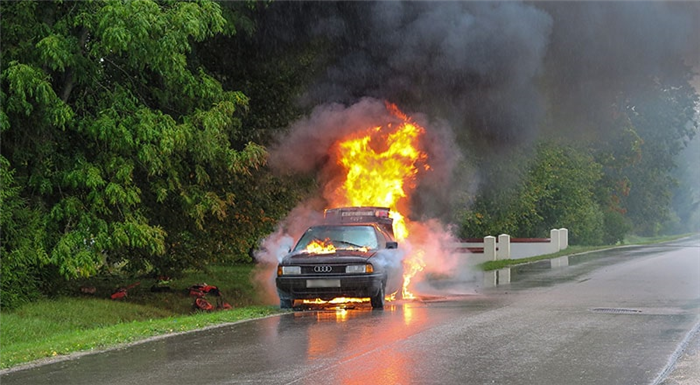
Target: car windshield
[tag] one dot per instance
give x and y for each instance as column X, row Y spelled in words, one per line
column 327, row 239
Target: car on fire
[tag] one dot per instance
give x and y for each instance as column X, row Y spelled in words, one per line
column 353, row 253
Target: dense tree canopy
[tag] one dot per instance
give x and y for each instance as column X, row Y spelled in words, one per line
column 112, row 139
column 558, row 189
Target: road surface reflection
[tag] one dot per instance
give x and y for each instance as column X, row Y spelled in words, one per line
column 378, row 334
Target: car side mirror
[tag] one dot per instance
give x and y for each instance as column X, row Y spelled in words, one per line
column 392, row 245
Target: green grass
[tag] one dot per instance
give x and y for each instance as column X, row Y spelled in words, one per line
column 503, row 263
column 233, row 281
column 637, row 240
column 571, row 250
column 76, row 322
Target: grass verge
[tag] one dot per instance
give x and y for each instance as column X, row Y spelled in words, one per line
column 77, row 323
column 503, row 263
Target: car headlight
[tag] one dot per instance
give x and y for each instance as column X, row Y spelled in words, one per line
column 355, row 269
column 288, row 270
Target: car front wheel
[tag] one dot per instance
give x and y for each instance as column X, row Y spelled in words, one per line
column 285, row 303
column 377, row 301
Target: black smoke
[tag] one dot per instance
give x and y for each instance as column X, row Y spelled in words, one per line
column 473, row 64
column 494, row 73
column 480, row 65
column 600, row 53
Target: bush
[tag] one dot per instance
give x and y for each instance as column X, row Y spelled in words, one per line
column 616, row 227
column 586, row 225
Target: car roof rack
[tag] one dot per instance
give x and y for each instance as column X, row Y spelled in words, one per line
column 360, row 214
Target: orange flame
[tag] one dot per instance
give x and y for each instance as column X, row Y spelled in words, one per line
column 337, row 300
column 381, row 165
column 320, row 247
column 412, row 266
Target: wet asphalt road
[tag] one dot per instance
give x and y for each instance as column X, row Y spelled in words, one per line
column 623, row 316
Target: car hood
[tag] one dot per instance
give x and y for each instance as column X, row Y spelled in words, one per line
column 338, row 256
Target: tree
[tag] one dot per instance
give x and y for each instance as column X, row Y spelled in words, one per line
column 664, row 113
column 557, row 189
column 111, row 131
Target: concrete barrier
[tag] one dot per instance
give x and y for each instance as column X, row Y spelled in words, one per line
column 476, row 251
column 506, row 247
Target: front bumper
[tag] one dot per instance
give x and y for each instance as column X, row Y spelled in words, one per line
column 329, row 286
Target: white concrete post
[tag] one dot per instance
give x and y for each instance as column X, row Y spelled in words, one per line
column 554, row 240
column 503, row 251
column 563, row 239
column 490, row 248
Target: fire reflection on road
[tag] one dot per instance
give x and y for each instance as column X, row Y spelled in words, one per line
column 357, row 339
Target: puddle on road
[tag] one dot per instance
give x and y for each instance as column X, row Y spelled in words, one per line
column 549, row 272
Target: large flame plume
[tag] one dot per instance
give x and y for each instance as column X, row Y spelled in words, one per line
column 369, row 154
column 381, row 165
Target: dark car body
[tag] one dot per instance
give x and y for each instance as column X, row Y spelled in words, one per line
column 352, row 254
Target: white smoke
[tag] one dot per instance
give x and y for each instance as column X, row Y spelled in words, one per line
column 278, row 244
column 392, row 261
column 444, row 271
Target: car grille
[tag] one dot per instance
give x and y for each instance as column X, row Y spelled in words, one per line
column 323, row 269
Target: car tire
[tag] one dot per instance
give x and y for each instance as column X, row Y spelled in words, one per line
column 286, row 303
column 377, row 301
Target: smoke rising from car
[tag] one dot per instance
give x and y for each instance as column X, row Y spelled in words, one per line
column 480, row 65
column 278, row 244
column 500, row 74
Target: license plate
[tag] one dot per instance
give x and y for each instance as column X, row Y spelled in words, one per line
column 322, row 283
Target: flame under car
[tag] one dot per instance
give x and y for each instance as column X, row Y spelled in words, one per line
column 353, row 254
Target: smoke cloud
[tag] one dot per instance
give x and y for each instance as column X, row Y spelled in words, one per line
column 600, row 52
column 490, row 77
column 473, row 64
column 492, row 70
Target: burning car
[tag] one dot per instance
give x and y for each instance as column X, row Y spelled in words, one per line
column 352, row 254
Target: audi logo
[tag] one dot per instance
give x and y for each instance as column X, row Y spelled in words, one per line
column 323, row 269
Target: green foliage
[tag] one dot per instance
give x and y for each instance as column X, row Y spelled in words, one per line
column 30, row 94
column 562, row 184
column 114, row 138
column 615, row 227
column 557, row 190
column 21, row 238
column 663, row 112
